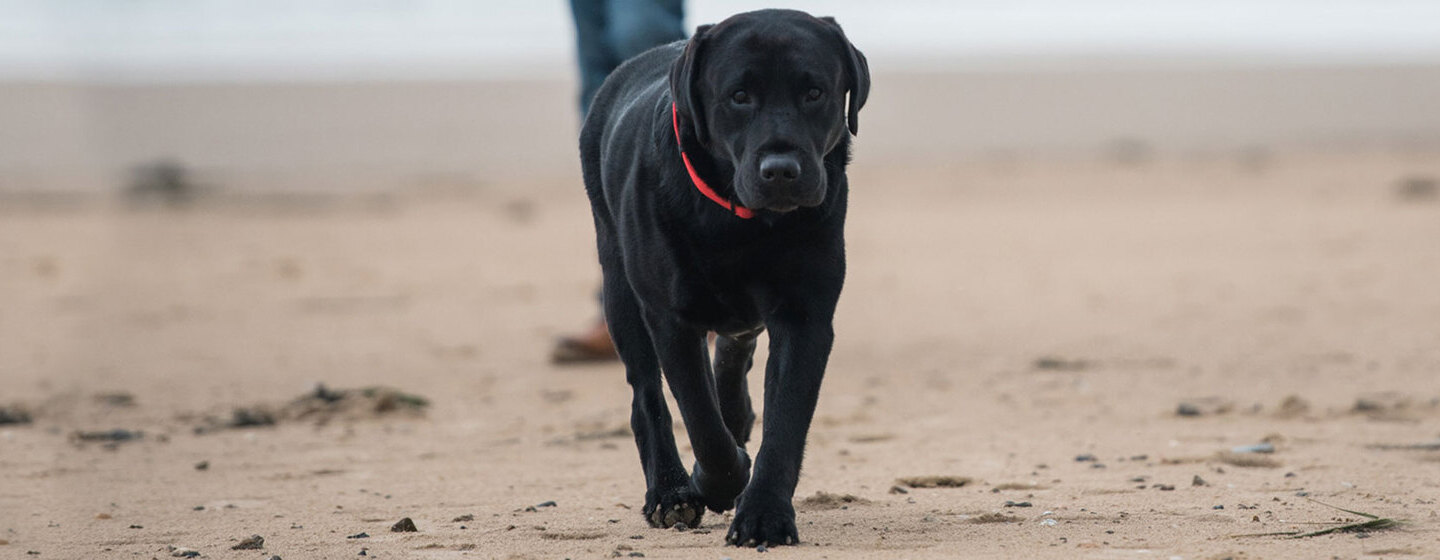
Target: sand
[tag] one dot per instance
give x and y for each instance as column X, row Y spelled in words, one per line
column 1031, row 325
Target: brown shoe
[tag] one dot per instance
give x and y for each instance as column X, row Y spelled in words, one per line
column 591, row 346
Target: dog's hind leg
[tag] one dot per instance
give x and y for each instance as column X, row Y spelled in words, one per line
column 734, row 355
column 669, row 497
column 722, row 468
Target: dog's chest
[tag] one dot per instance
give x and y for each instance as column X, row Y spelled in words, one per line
column 716, row 292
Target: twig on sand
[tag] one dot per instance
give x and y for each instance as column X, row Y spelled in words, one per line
column 1372, row 522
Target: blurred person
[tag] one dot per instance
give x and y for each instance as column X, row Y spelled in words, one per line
column 607, row 33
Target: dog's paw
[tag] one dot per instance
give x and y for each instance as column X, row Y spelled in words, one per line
column 719, row 490
column 761, row 520
column 666, row 508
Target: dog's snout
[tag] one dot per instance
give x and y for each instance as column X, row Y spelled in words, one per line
column 779, row 170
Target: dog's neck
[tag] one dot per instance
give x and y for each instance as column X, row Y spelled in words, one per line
column 700, row 184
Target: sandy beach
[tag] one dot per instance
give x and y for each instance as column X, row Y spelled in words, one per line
column 1073, row 330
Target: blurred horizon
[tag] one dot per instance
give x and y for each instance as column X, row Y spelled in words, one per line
column 231, row 40
column 378, row 95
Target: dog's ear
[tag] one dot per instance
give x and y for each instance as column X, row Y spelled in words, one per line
column 858, row 79
column 682, row 84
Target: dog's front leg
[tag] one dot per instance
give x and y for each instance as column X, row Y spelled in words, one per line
column 722, row 468
column 799, row 349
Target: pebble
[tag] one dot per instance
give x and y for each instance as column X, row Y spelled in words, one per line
column 253, row 542
column 466, row 517
column 202, row 465
column 1048, row 522
column 404, row 525
column 761, row 548
column 1197, row 481
column 14, row 415
column 182, row 552
column 1085, row 458
column 549, row 503
column 360, row 535
column 1257, row 448
column 1009, row 503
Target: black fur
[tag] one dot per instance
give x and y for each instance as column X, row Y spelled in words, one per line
column 677, row 265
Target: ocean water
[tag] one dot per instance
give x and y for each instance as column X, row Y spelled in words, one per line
column 166, row 40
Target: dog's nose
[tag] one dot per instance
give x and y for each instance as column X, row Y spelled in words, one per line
column 779, row 170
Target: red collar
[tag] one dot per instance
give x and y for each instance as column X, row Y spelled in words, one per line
column 705, row 189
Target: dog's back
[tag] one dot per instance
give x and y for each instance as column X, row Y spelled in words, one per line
column 620, row 119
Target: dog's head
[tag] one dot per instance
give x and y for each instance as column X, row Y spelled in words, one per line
column 767, row 93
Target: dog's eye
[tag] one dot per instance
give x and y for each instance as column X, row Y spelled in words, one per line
column 814, row 94
column 740, row 97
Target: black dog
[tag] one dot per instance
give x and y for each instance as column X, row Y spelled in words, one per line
column 716, row 171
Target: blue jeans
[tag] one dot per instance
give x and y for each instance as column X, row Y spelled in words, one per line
column 608, row 32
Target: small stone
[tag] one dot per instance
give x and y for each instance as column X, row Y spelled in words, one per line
column 198, row 508
column 1009, row 503
column 1257, row 448
column 14, row 415
column 181, row 552
column 636, row 555
column 1204, row 406
column 202, row 465
column 1417, row 187
column 253, row 542
column 1218, row 506
column 1197, row 481
column 466, row 517
column 361, row 535
column 898, row 490
column 761, row 548
column 102, row 516
column 1165, row 487
column 1085, row 458
column 364, row 552
column 549, row 503
column 404, row 525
